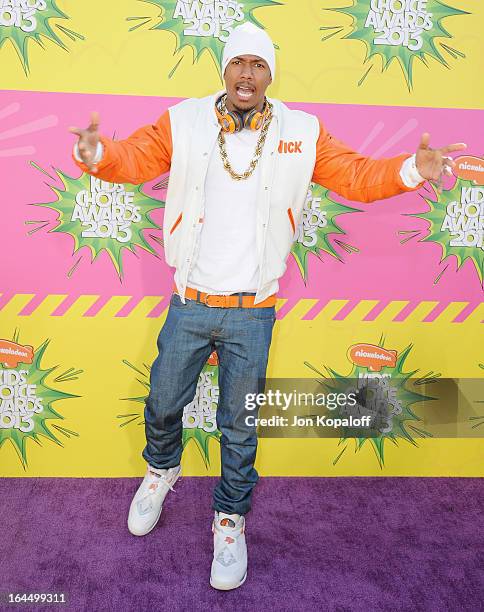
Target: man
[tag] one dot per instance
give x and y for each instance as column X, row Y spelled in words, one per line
column 240, row 166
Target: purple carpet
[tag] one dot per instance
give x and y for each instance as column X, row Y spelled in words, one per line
column 332, row 544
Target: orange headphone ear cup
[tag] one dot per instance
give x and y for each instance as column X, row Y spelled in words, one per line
column 226, row 121
column 253, row 119
column 230, row 121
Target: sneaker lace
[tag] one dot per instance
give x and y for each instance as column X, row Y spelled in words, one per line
column 158, row 479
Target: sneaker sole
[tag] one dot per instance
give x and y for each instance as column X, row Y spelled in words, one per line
column 143, row 533
column 224, row 587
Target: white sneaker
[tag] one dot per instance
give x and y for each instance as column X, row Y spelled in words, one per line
column 229, row 565
column 147, row 503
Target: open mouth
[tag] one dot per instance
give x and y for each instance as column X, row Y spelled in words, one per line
column 244, row 92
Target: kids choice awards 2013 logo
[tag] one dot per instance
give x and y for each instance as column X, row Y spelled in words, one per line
column 26, row 398
column 199, row 416
column 21, row 20
column 317, row 224
column 400, row 30
column 456, row 215
column 203, row 24
column 102, row 216
column 388, row 394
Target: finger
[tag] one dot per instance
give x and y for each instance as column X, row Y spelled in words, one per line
column 458, row 146
column 424, row 141
column 437, row 166
column 94, row 121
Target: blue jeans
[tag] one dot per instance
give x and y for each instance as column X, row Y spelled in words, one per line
column 241, row 337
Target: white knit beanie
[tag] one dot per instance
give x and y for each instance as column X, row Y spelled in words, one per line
column 248, row 39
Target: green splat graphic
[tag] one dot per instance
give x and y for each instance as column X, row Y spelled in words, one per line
column 436, row 217
column 37, row 21
column 403, row 423
column 172, row 13
column 64, row 206
column 405, row 56
column 37, row 375
column 197, row 435
column 317, row 241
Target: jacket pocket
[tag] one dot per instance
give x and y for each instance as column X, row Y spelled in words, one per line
column 175, row 225
column 291, row 219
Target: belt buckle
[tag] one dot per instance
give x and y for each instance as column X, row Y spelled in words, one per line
column 220, row 300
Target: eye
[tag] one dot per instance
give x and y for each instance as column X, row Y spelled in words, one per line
column 260, row 65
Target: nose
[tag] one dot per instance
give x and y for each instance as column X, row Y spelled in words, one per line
column 246, row 71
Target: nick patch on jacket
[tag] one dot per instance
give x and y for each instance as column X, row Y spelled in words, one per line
column 293, row 146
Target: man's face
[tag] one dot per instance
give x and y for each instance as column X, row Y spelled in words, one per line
column 246, row 80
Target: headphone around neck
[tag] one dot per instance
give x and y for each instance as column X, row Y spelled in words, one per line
column 235, row 121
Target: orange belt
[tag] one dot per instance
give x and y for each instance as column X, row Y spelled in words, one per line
column 226, row 301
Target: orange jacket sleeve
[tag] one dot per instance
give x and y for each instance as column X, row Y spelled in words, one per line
column 354, row 176
column 139, row 158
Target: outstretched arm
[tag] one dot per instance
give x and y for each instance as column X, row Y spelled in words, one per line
column 139, row 158
column 363, row 179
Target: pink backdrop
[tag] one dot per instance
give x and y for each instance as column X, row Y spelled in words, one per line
column 34, row 127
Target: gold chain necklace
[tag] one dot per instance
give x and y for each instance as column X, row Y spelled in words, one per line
column 258, row 148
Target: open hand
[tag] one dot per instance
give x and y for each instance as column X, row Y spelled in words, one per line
column 88, row 141
column 433, row 163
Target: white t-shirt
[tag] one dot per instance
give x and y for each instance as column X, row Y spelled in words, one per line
column 225, row 258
